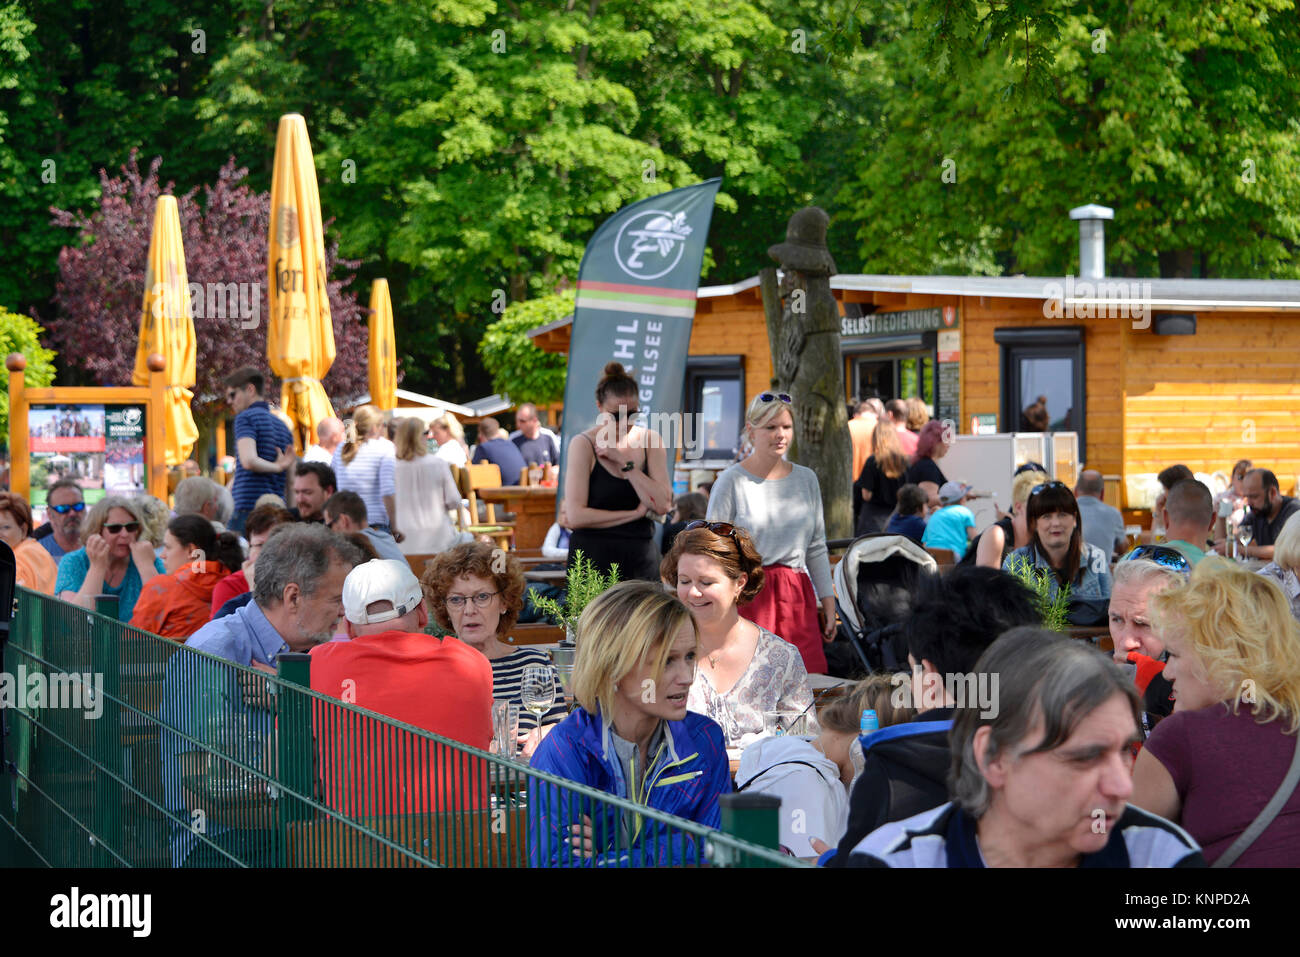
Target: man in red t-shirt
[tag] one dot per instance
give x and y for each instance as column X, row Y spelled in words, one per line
column 390, row 666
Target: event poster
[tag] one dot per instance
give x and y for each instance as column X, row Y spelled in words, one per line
column 99, row 447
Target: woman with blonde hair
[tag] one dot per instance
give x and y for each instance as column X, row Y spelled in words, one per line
column 423, row 492
column 780, row 505
column 1284, row 569
column 631, row 736
column 1226, row 763
column 882, row 476
column 364, row 463
column 917, row 414
column 447, row 431
column 116, row 559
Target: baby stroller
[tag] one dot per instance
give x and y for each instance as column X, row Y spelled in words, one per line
column 874, row 585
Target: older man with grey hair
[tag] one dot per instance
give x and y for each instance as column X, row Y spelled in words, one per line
column 297, row 598
column 201, row 496
column 1044, row 779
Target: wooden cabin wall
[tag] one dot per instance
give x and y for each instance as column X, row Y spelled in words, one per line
column 981, row 372
column 1229, row 392
column 739, row 328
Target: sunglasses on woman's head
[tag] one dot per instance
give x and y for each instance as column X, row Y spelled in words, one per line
column 116, row 527
column 774, row 396
column 717, row 528
column 65, row 509
column 1161, row 555
column 1048, row 485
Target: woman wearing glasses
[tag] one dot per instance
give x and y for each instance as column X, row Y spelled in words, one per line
column 116, row 559
column 479, row 605
column 743, row 669
column 1056, row 543
column 615, row 481
column 780, row 505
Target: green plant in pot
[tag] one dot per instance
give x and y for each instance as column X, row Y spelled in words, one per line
column 1053, row 604
column 584, row 583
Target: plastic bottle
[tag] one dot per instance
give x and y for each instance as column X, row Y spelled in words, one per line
column 869, row 722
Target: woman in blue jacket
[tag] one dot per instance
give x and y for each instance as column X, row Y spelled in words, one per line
column 631, row 737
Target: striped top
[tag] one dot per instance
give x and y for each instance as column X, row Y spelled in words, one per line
column 508, row 676
column 370, row 475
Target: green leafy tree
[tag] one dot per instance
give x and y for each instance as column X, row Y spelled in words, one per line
column 517, row 366
column 20, row 333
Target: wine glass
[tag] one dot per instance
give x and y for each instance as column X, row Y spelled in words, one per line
column 537, row 690
column 1245, row 532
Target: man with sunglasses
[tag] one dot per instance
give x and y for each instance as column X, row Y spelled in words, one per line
column 65, row 508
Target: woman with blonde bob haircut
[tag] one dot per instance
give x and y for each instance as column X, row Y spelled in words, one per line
column 780, row 505
column 630, row 736
column 1216, row 763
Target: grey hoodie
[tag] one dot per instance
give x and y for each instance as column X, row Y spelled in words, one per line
column 814, row 802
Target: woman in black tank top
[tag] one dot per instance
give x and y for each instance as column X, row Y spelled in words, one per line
column 616, row 477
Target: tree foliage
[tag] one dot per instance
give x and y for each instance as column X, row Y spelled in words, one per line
column 101, row 283
column 517, row 366
column 20, row 333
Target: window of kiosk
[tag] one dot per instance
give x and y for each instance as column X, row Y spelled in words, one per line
column 896, row 377
column 715, row 405
column 1042, row 380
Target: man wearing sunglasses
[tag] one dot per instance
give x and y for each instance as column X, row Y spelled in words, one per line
column 65, row 508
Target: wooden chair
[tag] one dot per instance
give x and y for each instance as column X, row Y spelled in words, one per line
column 488, row 475
column 420, row 562
column 945, row 557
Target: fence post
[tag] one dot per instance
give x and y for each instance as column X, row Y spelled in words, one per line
column 293, row 765
column 754, row 818
column 105, row 660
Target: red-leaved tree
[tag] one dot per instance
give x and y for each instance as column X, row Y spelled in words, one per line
column 100, row 290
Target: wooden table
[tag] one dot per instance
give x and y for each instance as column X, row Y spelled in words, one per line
column 534, row 508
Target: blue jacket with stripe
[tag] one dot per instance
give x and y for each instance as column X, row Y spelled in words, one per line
column 687, row 772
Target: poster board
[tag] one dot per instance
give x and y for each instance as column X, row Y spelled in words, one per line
column 108, row 439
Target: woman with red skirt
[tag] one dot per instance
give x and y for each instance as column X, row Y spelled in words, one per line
column 780, row 504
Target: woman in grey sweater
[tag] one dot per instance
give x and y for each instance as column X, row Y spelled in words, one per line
column 780, row 505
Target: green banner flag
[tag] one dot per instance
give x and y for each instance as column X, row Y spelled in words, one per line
column 636, row 301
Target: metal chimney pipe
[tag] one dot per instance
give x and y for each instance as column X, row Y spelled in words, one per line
column 1092, row 239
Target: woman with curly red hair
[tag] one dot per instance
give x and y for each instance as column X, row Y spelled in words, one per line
column 469, row 597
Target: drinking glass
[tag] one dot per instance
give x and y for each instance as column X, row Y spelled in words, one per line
column 537, row 690
column 1245, row 532
column 505, row 727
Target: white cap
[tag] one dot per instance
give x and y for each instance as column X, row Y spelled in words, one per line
column 380, row 579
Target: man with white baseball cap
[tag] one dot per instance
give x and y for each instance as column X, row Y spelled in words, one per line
column 390, row 666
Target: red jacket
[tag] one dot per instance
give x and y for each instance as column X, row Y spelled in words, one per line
column 179, row 604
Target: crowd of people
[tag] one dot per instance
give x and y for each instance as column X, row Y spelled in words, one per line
column 1006, row 744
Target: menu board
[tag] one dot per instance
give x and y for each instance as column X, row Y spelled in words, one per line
column 99, row 447
column 947, row 399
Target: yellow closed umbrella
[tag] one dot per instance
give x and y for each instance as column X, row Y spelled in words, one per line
column 300, row 337
column 167, row 327
column 383, row 348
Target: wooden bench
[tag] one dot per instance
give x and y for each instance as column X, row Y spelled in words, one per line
column 536, row 633
column 486, row 838
column 945, row 557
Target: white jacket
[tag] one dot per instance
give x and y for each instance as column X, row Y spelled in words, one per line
column 814, row 802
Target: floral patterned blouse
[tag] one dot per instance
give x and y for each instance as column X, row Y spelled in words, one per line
column 774, row 681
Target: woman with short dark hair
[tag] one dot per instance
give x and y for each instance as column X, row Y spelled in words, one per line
column 178, row 602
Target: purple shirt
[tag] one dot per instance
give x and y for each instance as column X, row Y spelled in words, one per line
column 1226, row 768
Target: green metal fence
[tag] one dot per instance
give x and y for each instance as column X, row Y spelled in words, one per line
column 126, row 749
